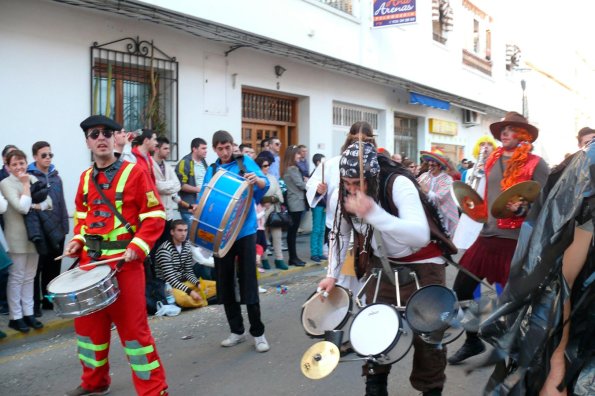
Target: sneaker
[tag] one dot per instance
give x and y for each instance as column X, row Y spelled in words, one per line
column 261, row 344
column 316, row 259
column 18, row 325
column 262, row 289
column 233, row 339
column 472, row 346
column 80, row 391
column 323, row 258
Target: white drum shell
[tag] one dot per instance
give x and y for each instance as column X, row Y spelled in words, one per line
column 86, row 300
column 379, row 331
column 335, row 312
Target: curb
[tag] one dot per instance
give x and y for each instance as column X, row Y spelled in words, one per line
column 57, row 323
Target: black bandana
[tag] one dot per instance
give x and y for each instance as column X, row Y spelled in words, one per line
column 349, row 164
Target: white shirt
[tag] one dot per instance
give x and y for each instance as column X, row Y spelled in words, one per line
column 331, row 179
column 401, row 235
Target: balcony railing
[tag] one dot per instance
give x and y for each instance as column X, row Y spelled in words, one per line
column 341, row 5
column 477, row 63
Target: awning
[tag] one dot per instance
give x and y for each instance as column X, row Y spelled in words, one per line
column 415, row 98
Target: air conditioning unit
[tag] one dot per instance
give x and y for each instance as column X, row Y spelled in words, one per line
column 470, row 117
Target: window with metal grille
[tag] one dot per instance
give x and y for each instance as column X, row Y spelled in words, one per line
column 345, row 115
column 136, row 84
column 263, row 107
column 341, row 5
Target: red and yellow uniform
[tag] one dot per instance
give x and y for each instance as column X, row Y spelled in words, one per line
column 102, row 235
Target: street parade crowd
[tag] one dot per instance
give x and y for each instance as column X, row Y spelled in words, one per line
column 385, row 227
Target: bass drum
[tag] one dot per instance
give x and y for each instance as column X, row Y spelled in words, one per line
column 380, row 332
column 335, row 312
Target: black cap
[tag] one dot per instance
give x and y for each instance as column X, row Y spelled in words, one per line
column 96, row 120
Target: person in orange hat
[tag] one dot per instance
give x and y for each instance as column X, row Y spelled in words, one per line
column 490, row 255
column 436, row 183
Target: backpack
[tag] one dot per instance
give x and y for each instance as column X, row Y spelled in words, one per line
column 389, row 170
column 239, row 158
column 154, row 293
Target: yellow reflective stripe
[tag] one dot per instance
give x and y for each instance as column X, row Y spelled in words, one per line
column 119, row 189
column 92, row 362
column 113, row 234
column 155, row 213
column 139, row 351
column 79, row 238
column 80, row 215
column 141, row 244
column 109, row 252
column 92, row 347
column 86, row 182
column 145, row 367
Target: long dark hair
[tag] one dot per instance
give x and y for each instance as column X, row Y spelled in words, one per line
column 289, row 158
column 360, row 127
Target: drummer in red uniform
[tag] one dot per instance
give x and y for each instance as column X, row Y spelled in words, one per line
column 99, row 234
column 405, row 236
column 243, row 249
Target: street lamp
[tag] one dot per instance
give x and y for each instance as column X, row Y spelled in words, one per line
column 525, row 103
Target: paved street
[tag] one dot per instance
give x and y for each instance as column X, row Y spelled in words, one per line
column 197, row 365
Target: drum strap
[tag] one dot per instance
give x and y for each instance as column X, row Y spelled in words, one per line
column 388, row 271
column 111, row 206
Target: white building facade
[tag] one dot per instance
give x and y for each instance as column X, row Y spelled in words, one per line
column 301, row 70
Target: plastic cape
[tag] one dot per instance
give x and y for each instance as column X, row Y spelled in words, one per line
column 526, row 326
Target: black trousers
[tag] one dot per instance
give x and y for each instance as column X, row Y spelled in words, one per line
column 237, row 284
column 292, row 230
column 47, row 270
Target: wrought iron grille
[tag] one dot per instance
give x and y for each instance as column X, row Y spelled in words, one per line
column 136, row 84
column 344, row 115
column 258, row 106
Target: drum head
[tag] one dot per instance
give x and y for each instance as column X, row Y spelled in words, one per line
column 431, row 309
column 78, row 279
column 329, row 313
column 375, row 329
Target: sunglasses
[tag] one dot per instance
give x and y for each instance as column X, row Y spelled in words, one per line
column 265, row 166
column 94, row 133
column 45, row 155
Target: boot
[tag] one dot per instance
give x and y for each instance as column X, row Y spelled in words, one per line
column 265, row 264
column 472, row 346
column 376, row 385
column 280, row 264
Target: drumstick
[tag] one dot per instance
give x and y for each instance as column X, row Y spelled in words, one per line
column 94, row 263
column 61, row 257
column 318, row 293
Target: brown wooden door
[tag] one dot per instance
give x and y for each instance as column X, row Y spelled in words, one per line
column 253, row 134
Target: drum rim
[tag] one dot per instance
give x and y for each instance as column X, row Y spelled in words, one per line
column 109, row 276
column 453, row 313
column 388, row 359
column 343, row 322
column 395, row 340
column 201, row 204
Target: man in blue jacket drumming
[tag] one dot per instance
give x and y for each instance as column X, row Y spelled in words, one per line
column 243, row 249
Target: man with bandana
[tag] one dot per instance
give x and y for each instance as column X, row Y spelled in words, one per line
column 490, row 255
column 397, row 217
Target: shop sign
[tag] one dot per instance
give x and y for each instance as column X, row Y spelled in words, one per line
column 443, row 127
column 393, row 12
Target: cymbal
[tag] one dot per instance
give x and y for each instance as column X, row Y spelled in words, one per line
column 527, row 190
column 469, row 201
column 320, row 360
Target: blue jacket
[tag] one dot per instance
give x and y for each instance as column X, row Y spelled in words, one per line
column 250, row 224
column 56, row 192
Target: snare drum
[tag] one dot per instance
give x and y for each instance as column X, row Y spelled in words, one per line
column 78, row 292
column 334, row 312
column 380, row 332
column 221, row 212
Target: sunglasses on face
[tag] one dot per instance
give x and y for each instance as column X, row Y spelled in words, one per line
column 265, row 165
column 45, row 155
column 94, row 133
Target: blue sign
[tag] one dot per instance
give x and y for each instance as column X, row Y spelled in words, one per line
column 394, row 12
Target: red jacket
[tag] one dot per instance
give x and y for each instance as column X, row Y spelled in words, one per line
column 146, row 163
column 130, row 191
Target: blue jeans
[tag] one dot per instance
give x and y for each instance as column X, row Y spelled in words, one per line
column 317, row 235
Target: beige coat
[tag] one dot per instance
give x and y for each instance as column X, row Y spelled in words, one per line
column 168, row 186
column 14, row 222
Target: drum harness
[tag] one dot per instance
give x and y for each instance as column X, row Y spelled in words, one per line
column 95, row 243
